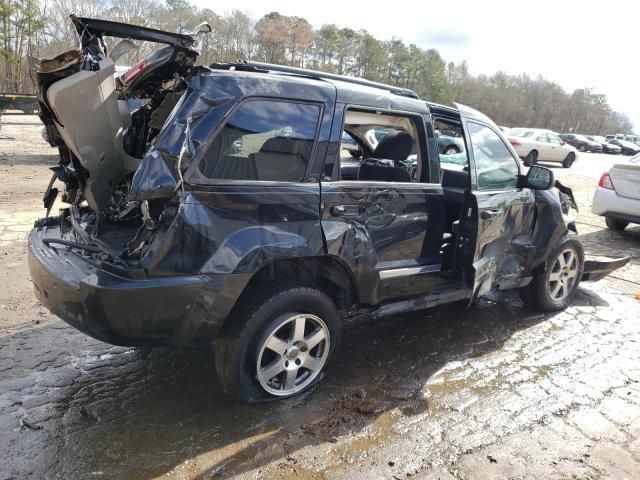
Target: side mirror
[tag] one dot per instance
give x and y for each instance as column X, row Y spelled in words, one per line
column 539, row 178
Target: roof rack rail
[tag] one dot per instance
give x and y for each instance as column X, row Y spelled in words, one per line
column 405, row 92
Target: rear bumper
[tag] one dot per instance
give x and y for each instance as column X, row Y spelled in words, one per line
column 608, row 203
column 180, row 310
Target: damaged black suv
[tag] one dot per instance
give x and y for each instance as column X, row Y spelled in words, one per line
column 216, row 206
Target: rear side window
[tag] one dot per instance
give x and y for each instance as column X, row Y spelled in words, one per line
column 266, row 140
column 496, row 168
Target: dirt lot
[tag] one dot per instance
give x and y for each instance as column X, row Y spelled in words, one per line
column 492, row 392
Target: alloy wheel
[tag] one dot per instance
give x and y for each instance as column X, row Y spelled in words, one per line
column 563, row 275
column 293, row 354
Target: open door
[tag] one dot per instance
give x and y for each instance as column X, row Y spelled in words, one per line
column 497, row 210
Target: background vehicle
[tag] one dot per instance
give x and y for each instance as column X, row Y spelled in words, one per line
column 607, row 147
column 581, row 142
column 617, row 197
column 628, row 148
column 449, row 144
column 177, row 234
column 27, row 103
column 534, row 144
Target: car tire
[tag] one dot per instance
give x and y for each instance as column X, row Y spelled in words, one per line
column 569, row 159
column 582, row 148
column 552, row 289
column 615, row 224
column 451, row 150
column 270, row 319
column 531, row 159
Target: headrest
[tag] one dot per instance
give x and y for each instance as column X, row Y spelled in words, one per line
column 394, row 146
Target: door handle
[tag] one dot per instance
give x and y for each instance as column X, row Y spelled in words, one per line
column 344, row 210
column 490, row 213
column 338, row 210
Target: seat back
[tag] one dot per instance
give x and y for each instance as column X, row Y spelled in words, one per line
column 283, row 157
column 383, row 173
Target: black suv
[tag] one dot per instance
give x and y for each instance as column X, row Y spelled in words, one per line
column 213, row 205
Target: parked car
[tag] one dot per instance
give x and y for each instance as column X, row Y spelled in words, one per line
column 628, row 148
column 606, row 146
column 617, row 197
column 449, row 144
column 581, row 142
column 170, row 240
column 534, row 144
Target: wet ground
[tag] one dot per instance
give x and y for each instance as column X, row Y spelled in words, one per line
column 495, row 391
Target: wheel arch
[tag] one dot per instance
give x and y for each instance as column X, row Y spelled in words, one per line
column 326, row 273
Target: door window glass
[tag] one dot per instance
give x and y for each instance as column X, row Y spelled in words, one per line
column 263, row 140
column 496, row 168
column 555, row 139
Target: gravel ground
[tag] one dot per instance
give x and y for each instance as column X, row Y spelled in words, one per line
column 495, row 391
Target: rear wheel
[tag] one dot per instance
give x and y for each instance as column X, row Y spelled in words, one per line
column 615, row 224
column 277, row 345
column 569, row 159
column 531, row 158
column 583, row 148
column 552, row 289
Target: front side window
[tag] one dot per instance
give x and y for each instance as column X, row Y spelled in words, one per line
column 266, row 140
column 496, row 168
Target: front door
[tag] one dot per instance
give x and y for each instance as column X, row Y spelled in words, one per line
column 504, row 213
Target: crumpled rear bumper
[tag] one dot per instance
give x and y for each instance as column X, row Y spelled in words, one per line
column 595, row 270
column 184, row 310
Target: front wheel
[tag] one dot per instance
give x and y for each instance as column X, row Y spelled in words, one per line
column 553, row 289
column 568, row 161
column 615, row 224
column 277, row 345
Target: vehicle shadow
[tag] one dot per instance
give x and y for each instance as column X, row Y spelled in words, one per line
column 140, row 413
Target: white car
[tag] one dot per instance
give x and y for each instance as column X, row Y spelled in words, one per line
column 534, row 144
column 617, row 197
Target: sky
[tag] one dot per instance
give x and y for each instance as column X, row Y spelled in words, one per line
column 592, row 44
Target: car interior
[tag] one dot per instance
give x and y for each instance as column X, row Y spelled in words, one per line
column 388, row 145
column 387, row 150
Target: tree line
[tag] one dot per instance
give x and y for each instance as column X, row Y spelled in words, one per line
column 40, row 28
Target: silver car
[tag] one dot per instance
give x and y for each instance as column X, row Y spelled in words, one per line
column 535, row 144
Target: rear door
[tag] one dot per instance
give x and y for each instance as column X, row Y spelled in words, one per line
column 626, row 178
column 557, row 152
column 388, row 233
column 501, row 212
column 545, row 149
